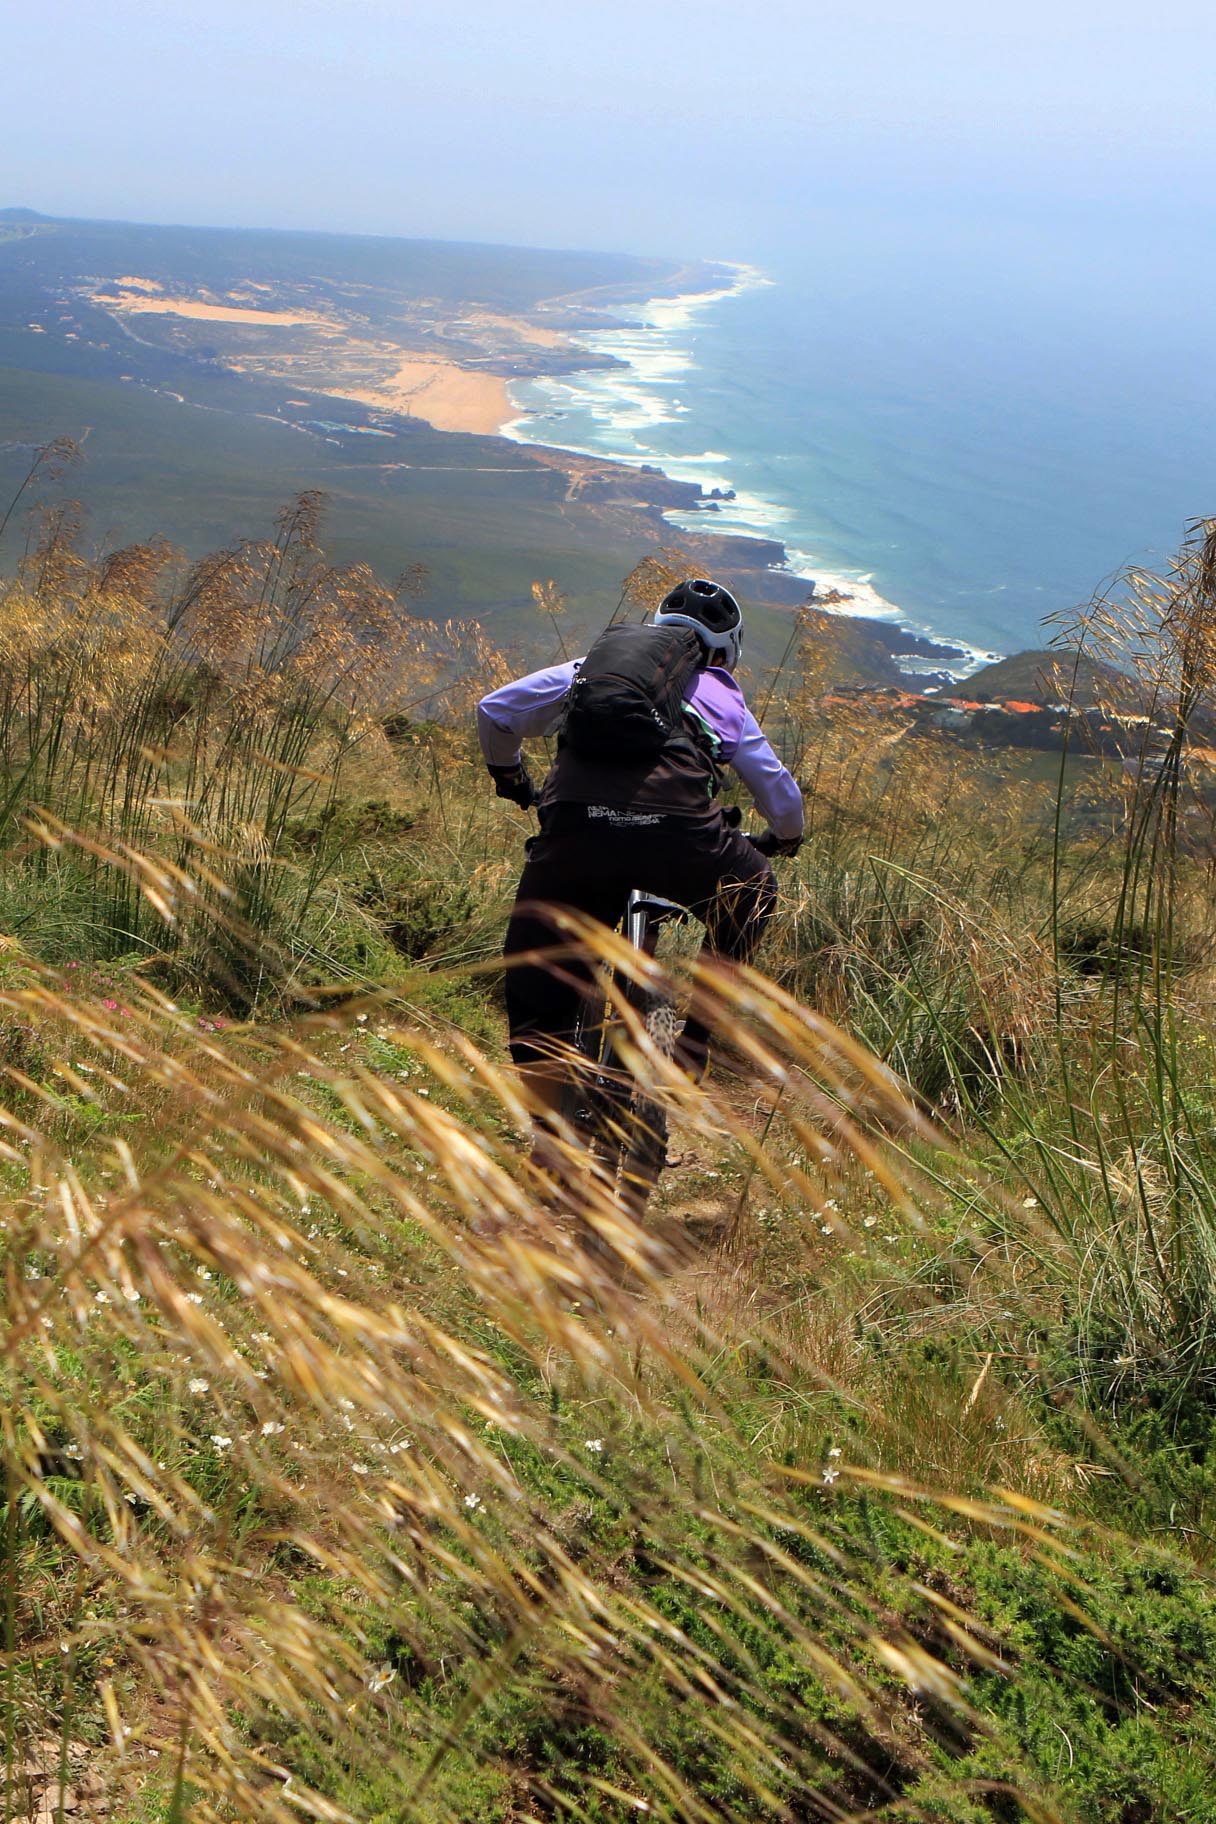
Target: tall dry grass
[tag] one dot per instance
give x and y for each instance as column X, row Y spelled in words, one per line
column 342, row 1479
column 323, row 1439
column 195, row 717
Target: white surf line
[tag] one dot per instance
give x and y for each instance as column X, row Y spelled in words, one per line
column 625, row 403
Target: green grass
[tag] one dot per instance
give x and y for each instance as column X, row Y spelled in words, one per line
column 886, row 1491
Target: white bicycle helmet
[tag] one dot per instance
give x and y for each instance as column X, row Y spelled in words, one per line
column 712, row 611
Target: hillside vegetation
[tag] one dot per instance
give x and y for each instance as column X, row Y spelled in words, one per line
column 872, row 1478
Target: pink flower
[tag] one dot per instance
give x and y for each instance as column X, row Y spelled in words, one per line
column 112, row 1005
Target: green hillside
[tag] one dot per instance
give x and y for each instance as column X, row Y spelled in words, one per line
column 1053, row 675
column 358, row 1470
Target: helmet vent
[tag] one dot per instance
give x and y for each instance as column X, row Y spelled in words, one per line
column 713, row 611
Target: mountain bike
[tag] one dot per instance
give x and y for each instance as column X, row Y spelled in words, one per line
column 617, row 1114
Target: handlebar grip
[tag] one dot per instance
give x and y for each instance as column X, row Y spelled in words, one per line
column 770, row 844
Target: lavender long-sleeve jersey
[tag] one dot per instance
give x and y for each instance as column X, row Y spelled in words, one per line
column 534, row 706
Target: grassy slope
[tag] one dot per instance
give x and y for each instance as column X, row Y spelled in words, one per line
column 785, row 1571
column 485, row 526
column 201, row 478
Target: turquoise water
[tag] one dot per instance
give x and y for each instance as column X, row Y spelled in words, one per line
column 968, row 430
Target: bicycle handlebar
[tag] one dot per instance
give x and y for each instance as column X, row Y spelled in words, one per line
column 770, row 844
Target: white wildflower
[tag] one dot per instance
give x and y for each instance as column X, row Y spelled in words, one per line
column 271, row 1428
column 194, row 1298
column 596, row 1444
column 1030, row 1203
column 384, row 1676
column 834, row 1452
column 220, row 1441
column 103, row 1298
column 199, row 1385
column 868, row 1222
column 360, row 1469
column 472, row 1501
column 830, row 1476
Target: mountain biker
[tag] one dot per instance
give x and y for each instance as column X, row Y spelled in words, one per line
column 612, row 819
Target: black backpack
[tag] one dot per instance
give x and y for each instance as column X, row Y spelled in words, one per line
column 627, row 699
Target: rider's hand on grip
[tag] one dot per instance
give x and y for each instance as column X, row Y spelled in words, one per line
column 515, row 783
column 771, row 844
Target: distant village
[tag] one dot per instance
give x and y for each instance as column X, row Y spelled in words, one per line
column 1138, row 740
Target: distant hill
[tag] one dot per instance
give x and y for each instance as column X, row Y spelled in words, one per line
column 1051, row 676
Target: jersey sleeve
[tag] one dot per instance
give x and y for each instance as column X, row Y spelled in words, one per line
column 772, row 785
column 525, row 707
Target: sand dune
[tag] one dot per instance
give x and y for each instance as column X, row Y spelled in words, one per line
column 435, row 389
column 137, row 303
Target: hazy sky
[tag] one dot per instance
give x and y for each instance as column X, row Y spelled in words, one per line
column 695, row 126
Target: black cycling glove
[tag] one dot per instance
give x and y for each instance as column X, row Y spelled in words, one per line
column 771, row 844
column 515, row 783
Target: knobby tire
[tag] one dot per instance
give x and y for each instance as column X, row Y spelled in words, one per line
column 644, row 1152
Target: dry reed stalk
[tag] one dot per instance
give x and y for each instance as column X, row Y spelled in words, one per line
column 321, row 1326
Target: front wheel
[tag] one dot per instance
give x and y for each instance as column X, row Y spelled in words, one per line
column 644, row 1152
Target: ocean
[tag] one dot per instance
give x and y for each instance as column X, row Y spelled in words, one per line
column 966, row 431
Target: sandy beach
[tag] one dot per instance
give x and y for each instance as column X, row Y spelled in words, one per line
column 445, row 396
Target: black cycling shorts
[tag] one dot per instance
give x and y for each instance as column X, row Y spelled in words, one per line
column 589, row 859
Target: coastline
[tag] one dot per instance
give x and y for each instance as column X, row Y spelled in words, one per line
column 642, row 371
column 585, row 383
